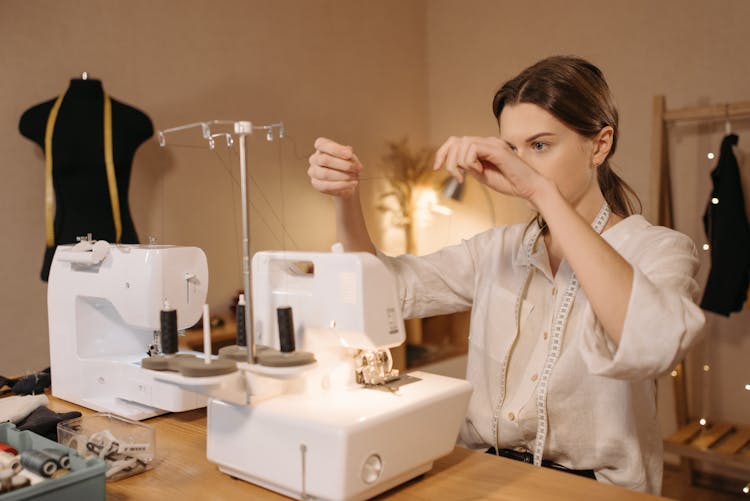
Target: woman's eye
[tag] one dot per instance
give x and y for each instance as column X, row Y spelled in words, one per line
column 539, row 146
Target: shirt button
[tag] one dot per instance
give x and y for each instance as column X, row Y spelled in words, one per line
column 554, row 291
column 535, row 377
column 546, row 335
column 511, row 416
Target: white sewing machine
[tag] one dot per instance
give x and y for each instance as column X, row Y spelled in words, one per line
column 319, row 430
column 103, row 303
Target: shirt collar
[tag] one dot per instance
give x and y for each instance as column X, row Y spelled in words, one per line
column 521, row 257
column 613, row 235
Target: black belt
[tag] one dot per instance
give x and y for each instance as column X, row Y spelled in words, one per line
column 528, row 457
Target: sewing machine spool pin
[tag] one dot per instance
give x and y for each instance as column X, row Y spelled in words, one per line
column 238, row 352
column 241, row 328
column 303, row 453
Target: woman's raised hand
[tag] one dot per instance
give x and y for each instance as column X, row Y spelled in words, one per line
column 334, row 168
column 492, row 162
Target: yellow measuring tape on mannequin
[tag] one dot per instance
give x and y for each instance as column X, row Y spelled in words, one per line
column 49, row 191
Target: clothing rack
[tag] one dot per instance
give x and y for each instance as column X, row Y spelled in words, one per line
column 661, row 192
column 713, row 441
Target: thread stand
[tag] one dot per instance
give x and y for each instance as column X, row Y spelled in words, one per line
column 240, row 131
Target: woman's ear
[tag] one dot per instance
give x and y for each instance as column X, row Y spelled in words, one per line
column 602, row 145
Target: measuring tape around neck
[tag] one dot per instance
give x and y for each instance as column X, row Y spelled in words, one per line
column 555, row 343
column 49, row 191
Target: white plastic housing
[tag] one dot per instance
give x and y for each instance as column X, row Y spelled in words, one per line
column 102, row 319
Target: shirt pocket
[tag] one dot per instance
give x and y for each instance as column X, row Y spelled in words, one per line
column 494, row 322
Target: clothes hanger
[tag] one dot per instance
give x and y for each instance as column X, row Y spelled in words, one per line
column 727, row 123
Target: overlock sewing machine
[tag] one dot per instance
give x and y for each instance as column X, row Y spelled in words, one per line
column 318, row 412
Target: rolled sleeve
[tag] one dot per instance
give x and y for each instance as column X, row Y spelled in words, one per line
column 438, row 283
column 662, row 319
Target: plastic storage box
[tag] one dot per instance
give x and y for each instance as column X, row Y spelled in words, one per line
column 127, row 447
column 85, row 480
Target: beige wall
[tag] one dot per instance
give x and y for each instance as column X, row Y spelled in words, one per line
column 364, row 72
column 350, row 70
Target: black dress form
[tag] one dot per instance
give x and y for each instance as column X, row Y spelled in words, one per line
column 79, row 175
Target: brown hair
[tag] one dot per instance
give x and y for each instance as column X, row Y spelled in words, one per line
column 574, row 91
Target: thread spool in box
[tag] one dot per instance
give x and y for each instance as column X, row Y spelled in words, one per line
column 10, row 462
column 38, row 462
column 7, row 448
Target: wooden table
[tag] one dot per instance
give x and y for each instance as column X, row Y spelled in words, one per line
column 181, row 472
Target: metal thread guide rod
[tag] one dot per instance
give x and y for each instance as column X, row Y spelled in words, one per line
column 239, row 132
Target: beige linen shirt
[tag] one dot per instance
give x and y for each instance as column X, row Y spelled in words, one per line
column 601, row 398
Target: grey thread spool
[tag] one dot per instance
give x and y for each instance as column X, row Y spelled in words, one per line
column 286, row 328
column 59, row 456
column 241, row 330
column 168, row 334
column 38, row 462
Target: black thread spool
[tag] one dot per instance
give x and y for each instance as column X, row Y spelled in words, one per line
column 286, row 328
column 168, row 334
column 241, row 330
column 38, row 462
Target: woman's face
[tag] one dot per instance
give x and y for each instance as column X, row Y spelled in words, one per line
column 553, row 149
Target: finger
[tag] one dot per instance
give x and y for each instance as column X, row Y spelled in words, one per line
column 466, row 156
column 332, row 162
column 356, row 163
column 471, row 159
column 451, row 164
column 501, row 158
column 328, row 174
column 494, row 179
column 440, row 154
column 325, row 145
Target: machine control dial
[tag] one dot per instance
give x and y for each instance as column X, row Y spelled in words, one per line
column 372, row 469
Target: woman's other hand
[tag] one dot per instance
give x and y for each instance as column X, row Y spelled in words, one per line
column 334, row 168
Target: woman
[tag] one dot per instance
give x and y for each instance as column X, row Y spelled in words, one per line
column 574, row 314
